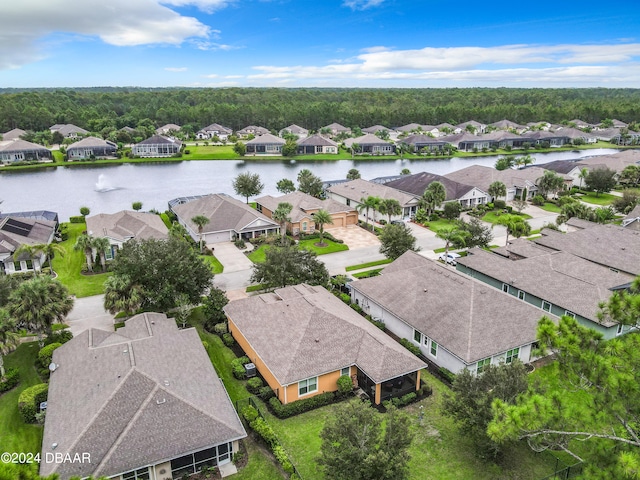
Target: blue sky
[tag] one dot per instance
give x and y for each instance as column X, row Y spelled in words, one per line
column 325, row 43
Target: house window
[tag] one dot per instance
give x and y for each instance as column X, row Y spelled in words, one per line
column 17, row 266
column 348, row 202
column 304, row 226
column 505, row 288
column 318, row 148
column 417, row 336
column 619, row 329
column 140, row 474
column 512, row 355
column 569, row 313
column 345, row 371
column 520, row 294
column 546, row 306
column 482, row 365
column 307, row 386
column 29, row 264
column 434, row 349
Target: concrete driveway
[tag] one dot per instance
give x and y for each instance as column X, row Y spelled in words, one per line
column 354, row 236
column 231, row 257
column 88, row 312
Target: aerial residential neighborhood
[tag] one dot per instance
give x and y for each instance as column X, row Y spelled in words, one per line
column 338, row 240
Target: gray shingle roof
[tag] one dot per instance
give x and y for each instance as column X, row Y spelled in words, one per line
column 19, row 145
column 92, row 142
column 302, row 331
column 143, row 395
column 13, row 134
column 608, row 245
column 303, row 203
column 295, row 130
column 35, row 231
column 125, row 225
column 252, row 129
column 368, row 139
column 561, row 278
column 224, row 213
column 468, row 318
column 159, row 140
column 417, row 183
column 317, row 140
column 267, row 139
column 68, row 129
column 357, row 189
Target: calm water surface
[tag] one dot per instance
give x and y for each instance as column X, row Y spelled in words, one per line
column 108, row 189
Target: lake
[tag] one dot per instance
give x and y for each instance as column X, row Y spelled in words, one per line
column 108, row 189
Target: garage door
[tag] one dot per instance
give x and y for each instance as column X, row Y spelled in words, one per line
column 337, row 222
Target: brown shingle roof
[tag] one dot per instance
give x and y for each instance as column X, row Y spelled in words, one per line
column 125, row 225
column 468, row 318
column 267, row 139
column 302, row 331
column 317, row 140
column 303, row 203
column 143, row 395
column 417, row 183
column 357, row 189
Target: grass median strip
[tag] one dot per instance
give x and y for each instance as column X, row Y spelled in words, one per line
column 360, row 266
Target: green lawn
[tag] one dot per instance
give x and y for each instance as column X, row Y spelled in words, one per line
column 369, row 264
column 165, row 219
column 15, row 434
column 551, row 207
column 368, row 273
column 213, row 262
column 258, row 255
column 439, row 224
column 493, row 216
column 603, row 199
column 69, row 267
column 440, row 450
column 260, row 467
column 210, row 152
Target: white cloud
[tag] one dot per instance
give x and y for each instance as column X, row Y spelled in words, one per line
column 116, row 22
column 176, row 69
column 211, row 75
column 361, row 4
column 564, row 65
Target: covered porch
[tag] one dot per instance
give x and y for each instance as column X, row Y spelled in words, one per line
column 392, row 388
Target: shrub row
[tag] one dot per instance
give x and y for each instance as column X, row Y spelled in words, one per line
column 410, row 346
column 76, row 219
column 262, row 428
column 61, row 336
column 254, row 385
column 447, row 374
column 325, row 235
column 30, row 399
column 45, row 354
column 237, row 367
column 228, row 339
column 11, row 378
column 300, row 406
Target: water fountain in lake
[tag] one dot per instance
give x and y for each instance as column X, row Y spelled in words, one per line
column 103, row 184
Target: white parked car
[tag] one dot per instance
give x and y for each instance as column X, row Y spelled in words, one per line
column 451, row 258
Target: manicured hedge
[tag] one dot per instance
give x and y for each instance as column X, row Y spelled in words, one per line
column 228, row 339
column 30, row 399
column 237, row 367
column 46, row 352
column 11, row 378
column 77, row 219
column 300, row 406
column 254, row 385
column 410, row 346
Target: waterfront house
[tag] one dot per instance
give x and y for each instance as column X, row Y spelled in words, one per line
column 16, row 231
column 90, row 148
column 370, row 144
column 266, row 144
column 316, row 144
column 157, row 146
column 214, row 130
column 19, row 150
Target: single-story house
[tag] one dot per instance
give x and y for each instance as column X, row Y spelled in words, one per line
column 16, row 231
column 576, row 133
column 466, row 195
column 13, row 134
column 214, row 130
column 582, row 125
column 316, row 144
column 377, row 128
column 304, row 207
column 303, row 338
column 22, row 151
column 168, row 129
column 251, row 130
column 606, row 134
column 610, row 245
column 266, row 144
column 420, row 143
column 143, row 402
column 68, row 130
column 370, row 144
column 507, row 125
column 496, row 139
column 472, row 127
column 632, row 220
column 353, row 192
column 91, row 147
column 516, row 181
column 410, row 128
column 458, row 322
column 123, row 226
column 336, row 129
column 294, row 129
column 556, row 282
column 229, row 218
column 157, row 146
column 538, row 137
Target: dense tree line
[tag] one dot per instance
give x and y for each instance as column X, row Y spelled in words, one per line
column 97, row 109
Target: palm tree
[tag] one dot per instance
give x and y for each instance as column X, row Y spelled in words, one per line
column 281, row 215
column 390, row 207
column 584, row 173
column 8, row 338
column 497, row 189
column 367, row 204
column 38, row 303
column 515, row 225
column 120, row 295
column 452, row 236
column 200, row 221
column 85, row 243
column 526, row 160
column 550, row 182
column 320, row 218
column 101, row 244
column 432, row 197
